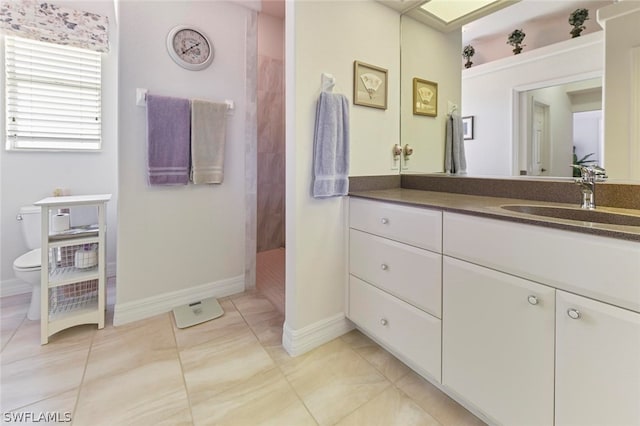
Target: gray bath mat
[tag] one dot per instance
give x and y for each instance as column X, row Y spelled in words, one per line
column 197, row 312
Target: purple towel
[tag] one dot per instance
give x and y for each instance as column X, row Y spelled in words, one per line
column 168, row 140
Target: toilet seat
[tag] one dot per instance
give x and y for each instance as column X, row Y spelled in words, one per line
column 29, row 261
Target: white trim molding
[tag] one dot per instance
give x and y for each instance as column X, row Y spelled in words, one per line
column 14, row 286
column 297, row 342
column 144, row 308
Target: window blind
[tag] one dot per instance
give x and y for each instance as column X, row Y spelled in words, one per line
column 53, row 96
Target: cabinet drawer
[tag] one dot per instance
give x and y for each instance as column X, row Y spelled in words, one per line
column 602, row 268
column 411, row 333
column 415, row 226
column 412, row 274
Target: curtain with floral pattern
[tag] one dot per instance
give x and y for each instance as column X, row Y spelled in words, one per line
column 47, row 22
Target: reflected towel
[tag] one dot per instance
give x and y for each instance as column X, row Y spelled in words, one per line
column 331, row 146
column 168, row 138
column 455, row 160
column 208, row 130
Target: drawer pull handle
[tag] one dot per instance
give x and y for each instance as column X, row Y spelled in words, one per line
column 533, row 300
column 384, row 321
column 384, row 221
column 573, row 313
column 384, row 267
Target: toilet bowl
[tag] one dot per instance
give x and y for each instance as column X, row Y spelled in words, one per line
column 27, row 268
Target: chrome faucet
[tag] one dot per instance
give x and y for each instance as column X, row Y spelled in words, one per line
column 587, row 181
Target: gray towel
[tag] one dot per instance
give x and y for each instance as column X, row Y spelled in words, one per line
column 331, row 146
column 208, row 130
column 168, row 138
column 454, row 157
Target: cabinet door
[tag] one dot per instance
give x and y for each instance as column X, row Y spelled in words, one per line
column 597, row 363
column 498, row 343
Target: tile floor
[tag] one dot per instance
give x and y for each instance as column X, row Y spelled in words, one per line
column 230, row 371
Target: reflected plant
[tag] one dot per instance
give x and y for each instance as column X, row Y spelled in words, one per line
column 515, row 39
column 467, row 53
column 576, row 20
column 580, row 162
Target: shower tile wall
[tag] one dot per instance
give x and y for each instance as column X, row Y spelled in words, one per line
column 271, row 146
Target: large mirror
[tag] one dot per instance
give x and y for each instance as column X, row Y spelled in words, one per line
column 534, row 114
column 554, row 126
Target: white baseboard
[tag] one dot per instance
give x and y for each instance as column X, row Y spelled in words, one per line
column 297, row 342
column 14, row 286
column 144, row 308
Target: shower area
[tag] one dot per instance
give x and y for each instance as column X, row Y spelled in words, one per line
column 270, row 215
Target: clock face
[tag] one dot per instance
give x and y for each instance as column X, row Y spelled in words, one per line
column 189, row 48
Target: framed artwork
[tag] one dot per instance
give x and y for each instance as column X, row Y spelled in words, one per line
column 369, row 85
column 467, row 127
column 425, row 97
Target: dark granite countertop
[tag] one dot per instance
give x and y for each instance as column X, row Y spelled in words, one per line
column 490, row 207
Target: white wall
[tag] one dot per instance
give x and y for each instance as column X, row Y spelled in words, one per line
column 430, row 55
column 27, row 177
column 171, row 239
column 488, row 90
column 539, row 33
column 587, row 133
column 560, row 128
column 622, row 89
column 326, row 36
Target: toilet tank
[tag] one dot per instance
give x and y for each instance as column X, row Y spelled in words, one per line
column 31, row 226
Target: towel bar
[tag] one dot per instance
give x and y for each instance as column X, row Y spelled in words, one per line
column 141, row 99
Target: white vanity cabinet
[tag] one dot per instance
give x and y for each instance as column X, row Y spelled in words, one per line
column 597, row 363
column 395, row 280
column 498, row 353
column 73, row 271
column 498, row 339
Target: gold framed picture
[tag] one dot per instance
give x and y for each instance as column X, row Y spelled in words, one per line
column 369, row 85
column 425, row 97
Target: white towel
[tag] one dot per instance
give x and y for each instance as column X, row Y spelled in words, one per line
column 208, row 131
column 455, row 160
column 331, row 146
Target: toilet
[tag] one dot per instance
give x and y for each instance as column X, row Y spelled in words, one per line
column 27, row 266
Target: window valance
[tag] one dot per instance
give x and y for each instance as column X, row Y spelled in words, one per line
column 47, row 22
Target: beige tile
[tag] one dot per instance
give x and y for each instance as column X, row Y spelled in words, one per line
column 333, row 380
column 218, row 330
column 150, row 393
column 117, row 350
column 390, row 408
column 8, row 326
column 26, row 341
column 278, row 354
column 26, row 380
column 19, row 300
column 212, row 368
column 134, row 376
column 253, row 306
column 60, row 407
column 262, row 316
column 392, row 368
column 264, row 399
column 444, row 409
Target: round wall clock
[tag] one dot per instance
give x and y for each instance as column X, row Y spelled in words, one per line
column 189, row 47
